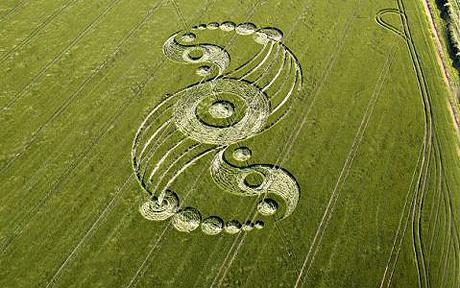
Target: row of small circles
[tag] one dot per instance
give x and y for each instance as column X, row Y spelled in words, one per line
column 189, row 219
column 261, row 36
column 227, row 26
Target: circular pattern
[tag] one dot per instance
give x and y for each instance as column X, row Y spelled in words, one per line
column 232, row 227
column 227, row 26
column 205, row 108
column 248, row 226
column 254, row 179
column 242, row 154
column 212, row 225
column 265, row 35
column 259, row 224
column 187, row 220
column 213, row 26
column 267, row 207
column 188, row 37
column 253, row 120
column 203, row 70
column 221, row 109
column 194, row 54
column 245, row 28
column 154, row 211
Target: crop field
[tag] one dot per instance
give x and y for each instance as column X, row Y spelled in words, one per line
column 261, row 143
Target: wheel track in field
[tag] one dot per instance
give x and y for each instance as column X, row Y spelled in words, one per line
column 93, row 228
column 431, row 145
column 379, row 19
column 37, row 29
column 343, row 176
column 435, row 204
column 228, row 261
column 79, row 160
column 88, row 29
column 179, row 13
column 317, row 88
column 114, row 119
column 14, row 10
column 145, row 263
column 420, row 262
column 448, row 209
column 106, row 64
column 453, row 232
column 62, row 108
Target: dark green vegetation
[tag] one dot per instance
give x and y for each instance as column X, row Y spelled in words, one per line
column 451, row 10
column 370, row 141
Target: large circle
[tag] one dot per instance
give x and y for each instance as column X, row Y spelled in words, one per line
column 252, row 122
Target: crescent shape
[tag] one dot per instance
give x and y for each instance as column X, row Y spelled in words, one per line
column 276, row 181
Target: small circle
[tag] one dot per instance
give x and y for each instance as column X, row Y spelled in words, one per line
column 201, row 27
column 212, row 225
column 186, row 220
column 203, row 70
column 259, row 224
column 265, row 35
column 245, row 28
column 221, row 109
column 267, row 207
column 195, row 54
column 155, row 211
column 254, row 179
column 261, row 38
column 188, row 37
column 232, row 227
column 227, row 26
column 213, row 26
column 242, row 154
column 248, row 226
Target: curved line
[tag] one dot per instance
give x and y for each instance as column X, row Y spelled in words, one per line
column 283, row 64
column 386, row 25
column 260, row 63
column 146, row 145
column 298, row 67
column 190, row 163
column 140, row 129
column 288, row 95
column 152, row 153
column 269, row 67
column 160, row 162
column 247, row 63
column 160, row 180
column 285, row 80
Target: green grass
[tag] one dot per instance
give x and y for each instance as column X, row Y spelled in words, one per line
column 76, row 90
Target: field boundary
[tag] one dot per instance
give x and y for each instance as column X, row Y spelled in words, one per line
column 441, row 58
